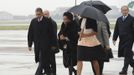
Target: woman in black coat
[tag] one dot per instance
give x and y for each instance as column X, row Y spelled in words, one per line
column 68, row 37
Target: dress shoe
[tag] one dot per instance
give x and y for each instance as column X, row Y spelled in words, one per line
column 123, row 73
column 50, row 74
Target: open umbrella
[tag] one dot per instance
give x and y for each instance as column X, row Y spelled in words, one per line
column 98, row 4
column 89, row 12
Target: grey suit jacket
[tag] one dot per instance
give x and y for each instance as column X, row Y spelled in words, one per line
column 102, row 34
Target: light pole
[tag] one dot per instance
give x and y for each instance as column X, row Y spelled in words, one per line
column 75, row 2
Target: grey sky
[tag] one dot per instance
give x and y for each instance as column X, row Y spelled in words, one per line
column 26, row 7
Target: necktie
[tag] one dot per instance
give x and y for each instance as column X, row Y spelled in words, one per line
column 39, row 20
column 124, row 17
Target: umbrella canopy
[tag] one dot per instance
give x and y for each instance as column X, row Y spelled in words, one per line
column 89, row 12
column 98, row 4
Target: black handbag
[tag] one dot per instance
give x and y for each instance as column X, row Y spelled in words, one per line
column 61, row 44
column 56, row 50
column 108, row 55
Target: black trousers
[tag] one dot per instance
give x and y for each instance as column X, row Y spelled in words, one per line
column 128, row 55
column 43, row 68
column 101, row 64
column 72, row 70
column 128, row 61
column 53, row 64
column 48, row 66
column 39, row 70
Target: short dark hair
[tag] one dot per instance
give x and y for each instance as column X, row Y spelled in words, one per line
column 69, row 15
column 38, row 10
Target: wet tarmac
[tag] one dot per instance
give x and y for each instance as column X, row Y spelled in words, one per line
column 15, row 59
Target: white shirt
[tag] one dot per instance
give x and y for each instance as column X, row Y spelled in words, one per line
column 40, row 19
column 87, row 41
column 124, row 17
column 83, row 27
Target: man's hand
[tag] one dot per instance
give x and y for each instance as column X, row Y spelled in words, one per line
column 30, row 48
column 114, row 42
column 107, row 47
column 62, row 37
column 53, row 47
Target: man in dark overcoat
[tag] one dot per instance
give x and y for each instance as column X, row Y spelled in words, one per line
column 124, row 29
column 53, row 60
column 41, row 33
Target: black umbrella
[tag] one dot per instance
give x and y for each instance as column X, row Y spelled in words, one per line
column 89, row 12
column 97, row 4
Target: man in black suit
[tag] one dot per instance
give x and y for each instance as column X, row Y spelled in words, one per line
column 124, row 29
column 53, row 61
column 41, row 33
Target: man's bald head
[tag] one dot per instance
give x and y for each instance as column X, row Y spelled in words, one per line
column 46, row 13
column 125, row 10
